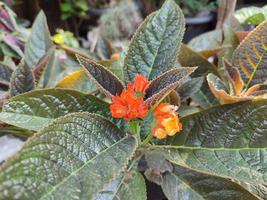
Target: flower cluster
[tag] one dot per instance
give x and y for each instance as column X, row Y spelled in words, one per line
column 167, row 121
column 130, row 103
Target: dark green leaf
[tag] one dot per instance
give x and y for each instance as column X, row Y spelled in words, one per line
column 5, row 74
column 22, row 80
column 107, row 82
column 130, row 185
column 155, row 45
column 75, row 157
column 190, row 87
column 39, row 41
column 184, row 183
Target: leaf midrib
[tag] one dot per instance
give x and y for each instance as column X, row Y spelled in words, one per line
column 256, row 68
column 80, row 168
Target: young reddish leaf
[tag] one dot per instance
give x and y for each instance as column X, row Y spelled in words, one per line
column 22, row 80
column 107, row 82
column 234, row 76
column 219, row 90
column 166, row 82
column 41, row 65
column 251, row 56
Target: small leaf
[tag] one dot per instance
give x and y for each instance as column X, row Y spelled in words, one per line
column 130, row 185
column 39, row 41
column 77, row 80
column 250, row 56
column 227, row 141
column 74, row 157
column 184, row 183
column 156, row 43
column 234, row 76
column 107, row 82
column 22, row 80
column 5, row 74
column 166, row 82
column 220, row 91
column 36, row 109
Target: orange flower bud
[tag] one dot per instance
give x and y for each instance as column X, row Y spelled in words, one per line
column 172, row 125
column 115, row 56
column 140, row 83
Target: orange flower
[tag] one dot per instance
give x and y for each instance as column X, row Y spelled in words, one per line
column 167, row 120
column 128, row 105
column 140, row 83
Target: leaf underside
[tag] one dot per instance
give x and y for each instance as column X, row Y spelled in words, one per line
column 250, row 57
column 67, row 160
column 107, row 82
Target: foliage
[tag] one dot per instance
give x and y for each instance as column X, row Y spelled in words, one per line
column 83, row 148
column 193, row 7
column 71, row 8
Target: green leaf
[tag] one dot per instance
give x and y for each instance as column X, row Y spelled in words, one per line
column 155, row 45
column 72, row 158
column 250, row 56
column 36, row 109
column 166, row 82
column 5, row 74
column 130, row 185
column 22, row 80
column 39, row 41
column 200, row 43
column 255, row 19
column 107, row 82
column 184, row 183
column 228, row 141
column 190, row 87
column 190, row 58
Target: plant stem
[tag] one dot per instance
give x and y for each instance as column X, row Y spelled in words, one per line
column 135, row 130
column 147, row 139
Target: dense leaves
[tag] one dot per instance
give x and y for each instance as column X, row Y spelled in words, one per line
column 68, row 160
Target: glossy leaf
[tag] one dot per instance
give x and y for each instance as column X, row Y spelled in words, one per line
column 39, row 41
column 184, row 183
column 165, row 83
column 68, row 160
column 36, row 109
column 107, row 82
column 22, row 80
column 251, row 56
column 77, row 80
column 228, row 141
column 130, row 185
column 156, row 43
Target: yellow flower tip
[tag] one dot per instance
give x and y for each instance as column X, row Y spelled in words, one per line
column 58, row 39
column 172, row 125
column 115, row 56
column 159, row 133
